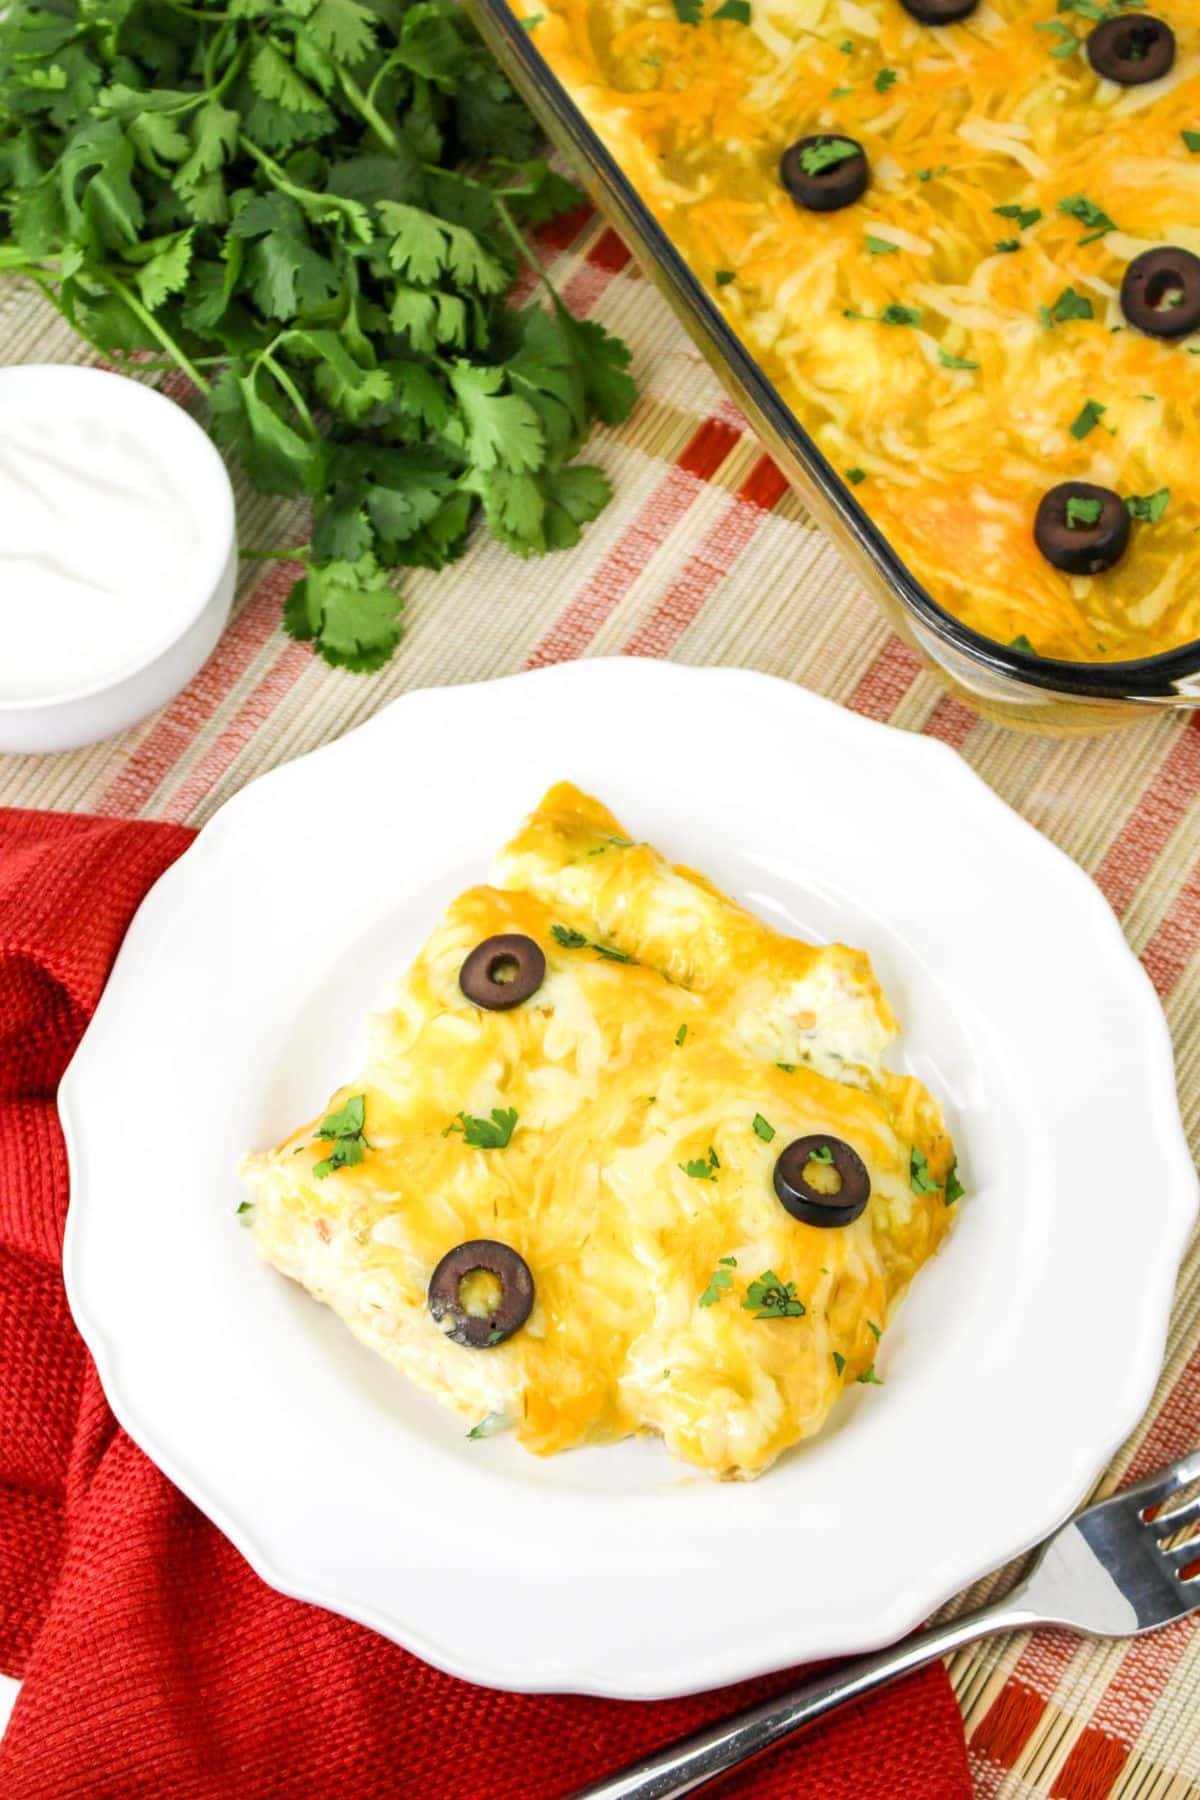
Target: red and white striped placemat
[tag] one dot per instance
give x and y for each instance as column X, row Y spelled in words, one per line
column 706, row 556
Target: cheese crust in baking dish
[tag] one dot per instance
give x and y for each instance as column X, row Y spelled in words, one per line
column 954, row 339
column 619, row 1130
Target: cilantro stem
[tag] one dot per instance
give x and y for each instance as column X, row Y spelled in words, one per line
column 266, row 360
column 523, row 251
column 146, row 318
column 365, row 106
column 307, row 197
column 280, row 553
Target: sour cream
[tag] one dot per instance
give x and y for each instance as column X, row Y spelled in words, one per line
column 116, row 548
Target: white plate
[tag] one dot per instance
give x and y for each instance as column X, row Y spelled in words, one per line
column 1020, row 1360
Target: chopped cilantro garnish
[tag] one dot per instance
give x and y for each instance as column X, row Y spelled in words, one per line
column 826, row 153
column 1192, row 140
column 702, row 1168
column 1068, row 44
column 788, row 1068
column 839, row 1361
column 954, row 1187
column 719, row 1283
column 1024, row 215
column 919, row 1178
column 762, row 1129
column 853, row 476
column 1090, row 415
column 900, row 315
column 870, row 1378
column 688, row 12
column 345, row 1130
column 873, row 1327
column 575, row 940
column 1078, row 206
column 772, row 1298
column 955, row 362
column 1082, row 511
column 737, row 10
column 1021, row 642
column 822, row 1154
column 530, row 24
column 244, row 1210
column 881, row 246
column 847, row 46
column 724, row 277
column 1069, row 305
column 485, row 1134
column 681, row 1033
column 932, row 174
column 840, row 93
column 729, row 1262
column 1149, row 508
column 885, row 79
column 1005, row 246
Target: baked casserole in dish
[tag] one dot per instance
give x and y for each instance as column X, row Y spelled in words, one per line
column 623, row 1159
column 949, row 253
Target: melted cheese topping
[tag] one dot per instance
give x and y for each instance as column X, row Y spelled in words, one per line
column 957, row 122
column 614, row 1098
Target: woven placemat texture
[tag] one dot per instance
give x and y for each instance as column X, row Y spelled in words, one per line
column 706, row 556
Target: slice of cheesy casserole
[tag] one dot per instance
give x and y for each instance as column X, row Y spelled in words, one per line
column 623, row 1159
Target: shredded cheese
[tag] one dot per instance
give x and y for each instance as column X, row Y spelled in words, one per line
column 999, row 112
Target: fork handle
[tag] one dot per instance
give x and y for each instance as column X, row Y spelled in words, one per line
column 685, row 1766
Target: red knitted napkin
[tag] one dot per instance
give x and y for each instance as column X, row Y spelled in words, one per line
column 155, row 1662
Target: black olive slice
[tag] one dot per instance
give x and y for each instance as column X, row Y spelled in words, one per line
column 1161, row 292
column 808, row 1203
column 825, row 172
column 939, row 12
column 503, row 971
column 1082, row 528
column 1131, row 50
column 481, row 1330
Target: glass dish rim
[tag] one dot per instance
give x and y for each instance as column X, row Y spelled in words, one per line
column 1147, row 678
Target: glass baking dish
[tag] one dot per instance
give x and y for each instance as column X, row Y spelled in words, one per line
column 997, row 679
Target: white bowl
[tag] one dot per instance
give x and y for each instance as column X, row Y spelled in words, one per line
column 71, row 714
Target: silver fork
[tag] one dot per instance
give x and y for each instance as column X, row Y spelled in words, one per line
column 1106, row 1573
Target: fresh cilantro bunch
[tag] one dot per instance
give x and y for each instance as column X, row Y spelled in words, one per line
column 315, row 209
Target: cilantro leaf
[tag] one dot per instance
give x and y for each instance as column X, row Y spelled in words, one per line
column 1083, row 511
column 702, row 1168
column 1149, row 508
column 485, row 1134
column 1069, row 305
column 719, row 1284
column 769, row 1297
column 1078, row 206
column 954, row 1187
column 762, row 1129
column 567, row 937
column 349, row 609
column 826, row 153
column 1090, row 415
column 919, row 1178
column 345, row 1131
